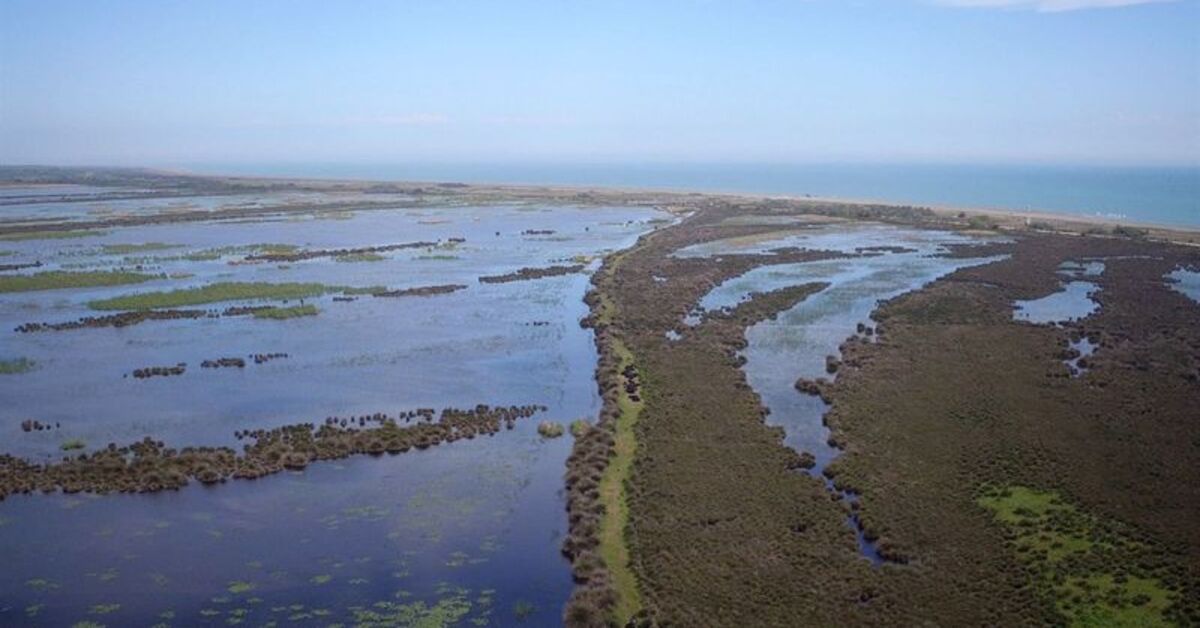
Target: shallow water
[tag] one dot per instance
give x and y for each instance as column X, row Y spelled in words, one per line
column 1073, row 302
column 796, row 343
column 478, row 345
column 1086, row 348
column 80, row 205
column 482, row 516
column 397, row 535
column 1187, row 282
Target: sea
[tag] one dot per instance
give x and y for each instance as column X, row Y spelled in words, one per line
column 1167, row 196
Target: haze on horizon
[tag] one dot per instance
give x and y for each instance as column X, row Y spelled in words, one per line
column 976, row 81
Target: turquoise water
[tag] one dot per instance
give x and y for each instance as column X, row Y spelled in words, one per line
column 1168, row 196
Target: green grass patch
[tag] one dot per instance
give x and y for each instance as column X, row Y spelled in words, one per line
column 613, row 548
column 50, row 235
column 1047, row 526
column 72, row 445
column 360, row 257
column 438, row 258
column 362, row 290
column 19, row 365
column 58, row 280
column 1086, row 578
column 214, row 293
column 1104, row 600
column 208, row 255
column 127, row 249
column 283, row 313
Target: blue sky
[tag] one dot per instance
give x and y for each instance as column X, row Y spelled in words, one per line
column 789, row 81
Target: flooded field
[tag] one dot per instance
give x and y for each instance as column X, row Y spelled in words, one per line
column 197, row 334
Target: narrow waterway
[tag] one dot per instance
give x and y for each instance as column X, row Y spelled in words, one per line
column 798, row 343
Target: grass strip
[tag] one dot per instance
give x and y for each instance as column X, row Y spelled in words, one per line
column 58, row 279
column 214, row 293
column 49, row 235
column 613, row 548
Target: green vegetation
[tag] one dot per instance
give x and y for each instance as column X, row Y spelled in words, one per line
column 361, row 291
column 282, row 313
column 443, row 258
column 57, row 280
column 49, row 235
column 1046, row 532
column 127, row 249
column 19, row 365
column 1046, row 526
column 208, row 255
column 360, row 257
column 214, row 293
column 579, row 427
column 72, row 445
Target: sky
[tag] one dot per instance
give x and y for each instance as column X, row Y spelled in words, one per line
column 154, row 83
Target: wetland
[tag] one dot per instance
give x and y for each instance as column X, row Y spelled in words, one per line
column 313, row 403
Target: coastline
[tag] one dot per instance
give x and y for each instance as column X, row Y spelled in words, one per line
column 1003, row 219
column 1065, row 216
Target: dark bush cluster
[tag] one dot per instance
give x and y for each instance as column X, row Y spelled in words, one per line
column 160, row 371
column 296, row 256
column 149, row 465
column 528, row 273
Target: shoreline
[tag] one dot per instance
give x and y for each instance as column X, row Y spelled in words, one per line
column 940, row 208
column 1003, row 218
